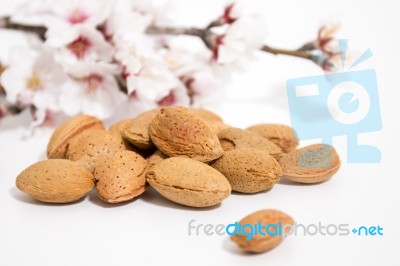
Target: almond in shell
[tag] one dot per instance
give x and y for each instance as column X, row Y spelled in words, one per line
column 311, row 164
column 249, row 170
column 120, row 176
column 55, row 181
column 236, row 138
column 87, row 147
column 189, row 182
column 63, row 134
column 283, row 136
column 177, row 131
column 270, row 235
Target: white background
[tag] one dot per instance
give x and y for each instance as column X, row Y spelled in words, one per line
column 154, row 231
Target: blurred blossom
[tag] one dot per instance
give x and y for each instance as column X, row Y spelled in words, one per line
column 79, row 44
column 32, row 12
column 33, row 78
column 203, row 87
column 43, row 117
column 93, row 91
column 147, row 75
column 234, row 10
column 72, row 12
column 326, row 41
column 182, row 58
column 88, row 44
column 325, row 49
column 240, row 40
column 126, row 23
column 176, row 96
column 162, row 12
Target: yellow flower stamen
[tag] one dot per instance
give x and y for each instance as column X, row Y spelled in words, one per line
column 34, row 82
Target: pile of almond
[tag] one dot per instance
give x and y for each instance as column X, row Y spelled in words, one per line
column 189, row 156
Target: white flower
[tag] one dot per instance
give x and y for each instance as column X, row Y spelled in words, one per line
column 242, row 38
column 32, row 12
column 126, row 23
column 176, row 96
column 74, row 12
column 147, row 76
column 94, row 91
column 183, row 56
column 204, row 87
column 162, row 12
column 33, row 78
column 79, row 44
column 234, row 10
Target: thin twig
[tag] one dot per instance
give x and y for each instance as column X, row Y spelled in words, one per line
column 6, row 23
column 204, row 34
column 207, row 37
column 295, row 53
column 10, row 110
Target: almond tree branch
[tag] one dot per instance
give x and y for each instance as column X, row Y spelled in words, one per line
column 295, row 53
column 204, row 34
column 208, row 38
column 6, row 23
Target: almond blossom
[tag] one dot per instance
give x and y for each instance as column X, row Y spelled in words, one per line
column 98, row 56
column 204, row 87
column 72, row 12
column 146, row 74
column 126, row 23
column 240, row 40
column 33, row 77
column 93, row 90
column 79, row 44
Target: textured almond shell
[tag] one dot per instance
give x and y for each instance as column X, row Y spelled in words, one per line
column 116, row 130
column 63, row 134
column 262, row 243
column 177, row 131
column 189, row 182
column 55, row 181
column 235, row 138
column 283, row 136
column 311, row 164
column 120, row 176
column 155, row 158
column 249, row 170
column 88, row 146
column 136, row 131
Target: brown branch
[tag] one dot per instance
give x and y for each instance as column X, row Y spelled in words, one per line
column 295, row 53
column 6, row 23
column 10, row 110
column 204, row 34
column 209, row 39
